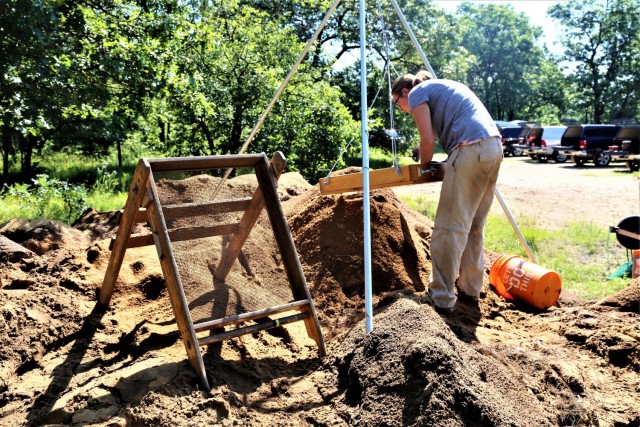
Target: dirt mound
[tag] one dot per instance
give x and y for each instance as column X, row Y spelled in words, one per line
column 43, row 235
column 67, row 360
column 413, row 370
column 12, row 251
column 626, row 300
column 100, row 225
column 328, row 231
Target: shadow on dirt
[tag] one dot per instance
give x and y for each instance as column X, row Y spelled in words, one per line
column 61, row 376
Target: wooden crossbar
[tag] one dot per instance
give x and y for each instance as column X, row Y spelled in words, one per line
column 188, row 210
column 214, row 338
column 141, row 216
column 179, row 235
column 204, row 162
column 219, row 323
column 382, row 178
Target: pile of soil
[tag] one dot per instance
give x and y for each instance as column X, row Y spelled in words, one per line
column 67, row 360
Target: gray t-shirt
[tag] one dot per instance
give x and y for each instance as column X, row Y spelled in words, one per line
column 457, row 115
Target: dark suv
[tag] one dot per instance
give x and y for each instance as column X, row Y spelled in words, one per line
column 626, row 146
column 588, row 142
column 509, row 137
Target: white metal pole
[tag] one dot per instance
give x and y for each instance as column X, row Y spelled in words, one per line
column 368, row 306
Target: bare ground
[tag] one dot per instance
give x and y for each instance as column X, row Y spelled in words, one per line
column 553, row 194
column 66, row 360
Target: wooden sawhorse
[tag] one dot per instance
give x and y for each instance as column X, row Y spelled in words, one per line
column 144, row 205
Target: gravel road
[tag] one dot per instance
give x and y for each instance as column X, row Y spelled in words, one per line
column 554, row 194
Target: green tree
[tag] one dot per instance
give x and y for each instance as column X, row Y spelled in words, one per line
column 311, row 127
column 227, row 71
column 119, row 69
column 27, row 83
column 551, row 96
column 503, row 46
column 230, row 62
column 601, row 39
column 77, row 75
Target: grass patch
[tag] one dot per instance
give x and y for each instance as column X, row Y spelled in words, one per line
column 52, row 198
column 63, row 205
column 107, row 202
column 584, row 255
column 88, row 170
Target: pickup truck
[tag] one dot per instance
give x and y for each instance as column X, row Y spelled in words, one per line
column 509, row 137
column 520, row 143
column 540, row 142
column 588, row 142
column 626, row 146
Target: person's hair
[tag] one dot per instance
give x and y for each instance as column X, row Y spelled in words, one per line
column 409, row 81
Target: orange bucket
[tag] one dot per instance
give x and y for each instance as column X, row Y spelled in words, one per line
column 635, row 272
column 514, row 278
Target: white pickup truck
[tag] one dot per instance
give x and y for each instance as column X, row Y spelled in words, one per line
column 540, row 141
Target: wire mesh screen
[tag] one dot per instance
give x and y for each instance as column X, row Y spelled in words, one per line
column 257, row 279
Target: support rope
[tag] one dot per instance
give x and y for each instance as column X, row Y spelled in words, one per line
column 391, row 132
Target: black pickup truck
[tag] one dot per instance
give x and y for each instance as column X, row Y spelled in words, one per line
column 588, row 142
column 626, row 146
column 509, row 137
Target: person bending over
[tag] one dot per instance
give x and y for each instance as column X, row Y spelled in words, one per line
column 451, row 113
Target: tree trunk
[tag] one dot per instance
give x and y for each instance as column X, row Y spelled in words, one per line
column 162, row 134
column 207, row 134
column 119, row 145
column 27, row 147
column 595, row 87
column 236, row 129
column 6, row 149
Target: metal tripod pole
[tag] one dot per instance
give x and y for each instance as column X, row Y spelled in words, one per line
column 515, row 226
column 368, row 294
column 413, row 38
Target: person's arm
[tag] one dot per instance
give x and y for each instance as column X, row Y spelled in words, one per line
column 422, row 116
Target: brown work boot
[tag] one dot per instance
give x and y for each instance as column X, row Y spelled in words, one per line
column 440, row 310
column 468, row 299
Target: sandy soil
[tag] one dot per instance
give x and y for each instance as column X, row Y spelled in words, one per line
column 66, row 360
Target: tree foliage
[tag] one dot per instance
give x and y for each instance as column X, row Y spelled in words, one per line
column 602, row 40
column 503, row 46
column 193, row 77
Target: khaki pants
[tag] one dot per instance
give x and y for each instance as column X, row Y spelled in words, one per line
column 457, row 242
